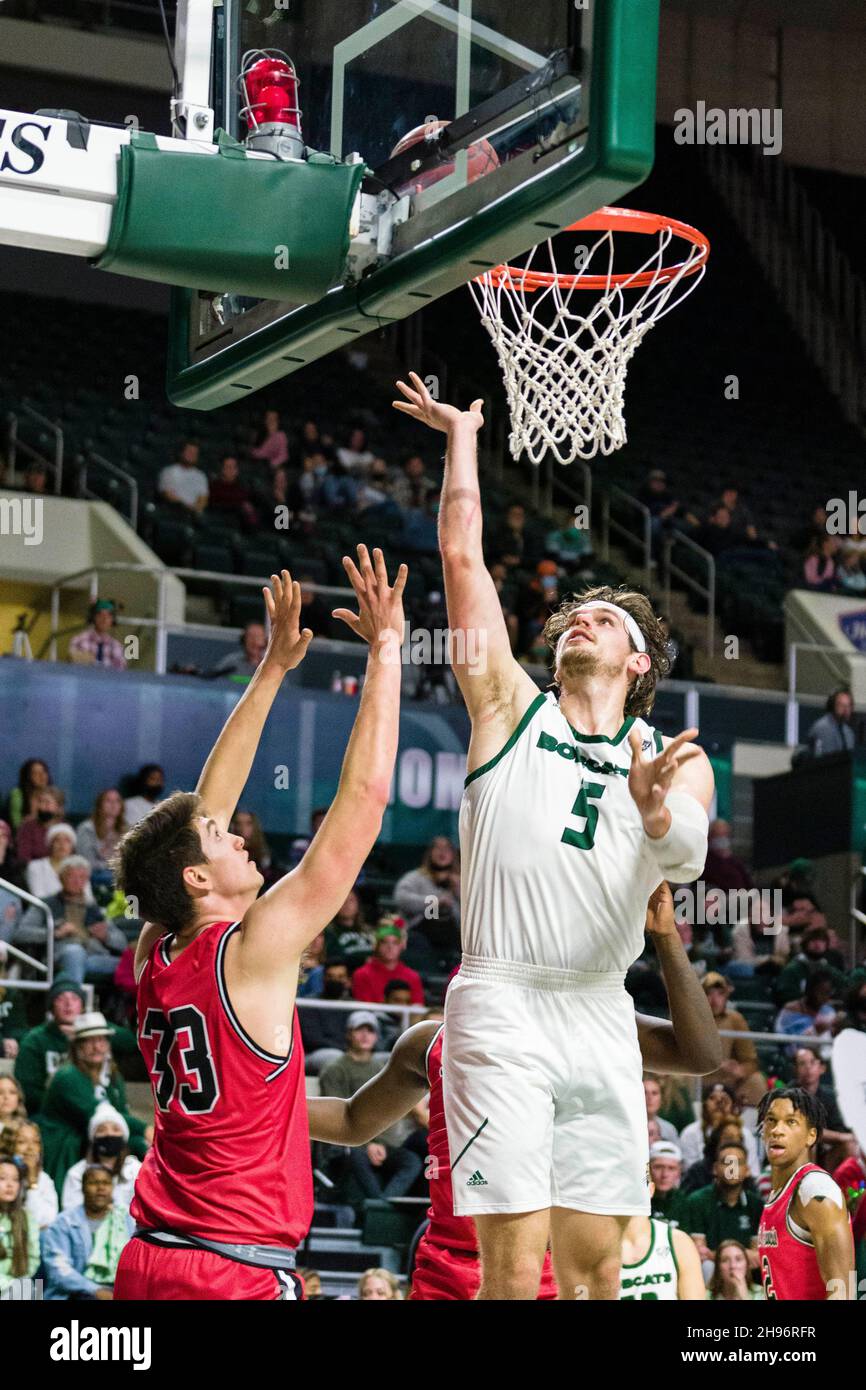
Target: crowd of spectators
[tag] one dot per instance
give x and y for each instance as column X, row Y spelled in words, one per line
column 70, row 1146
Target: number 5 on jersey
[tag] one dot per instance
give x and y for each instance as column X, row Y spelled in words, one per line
column 585, row 807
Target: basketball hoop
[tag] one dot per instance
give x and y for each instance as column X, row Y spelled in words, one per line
column 565, row 371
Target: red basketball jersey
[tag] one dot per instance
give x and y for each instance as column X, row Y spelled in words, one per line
column 231, row 1154
column 456, row 1232
column 789, row 1265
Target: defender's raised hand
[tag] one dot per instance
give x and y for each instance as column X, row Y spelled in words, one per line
column 380, row 616
column 439, row 416
column 660, row 919
column 649, row 779
column 287, row 646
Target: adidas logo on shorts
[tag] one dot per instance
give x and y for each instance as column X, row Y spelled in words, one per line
column 477, row 1180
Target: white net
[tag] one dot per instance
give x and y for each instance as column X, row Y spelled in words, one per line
column 564, row 352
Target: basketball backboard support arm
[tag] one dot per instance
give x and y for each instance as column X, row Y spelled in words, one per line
column 192, row 115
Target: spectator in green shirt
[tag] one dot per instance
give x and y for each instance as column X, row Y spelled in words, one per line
column 75, row 1091
column 727, row 1209
column 813, row 955
column 666, row 1168
column 42, row 1049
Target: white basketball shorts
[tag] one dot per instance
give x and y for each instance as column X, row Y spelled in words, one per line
column 544, row 1099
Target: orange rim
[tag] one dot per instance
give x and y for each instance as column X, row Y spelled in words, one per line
column 610, row 220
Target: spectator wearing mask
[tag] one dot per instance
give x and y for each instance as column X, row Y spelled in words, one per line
column 42, row 877
column 723, row 869
column 819, row 565
column 272, row 445
column 81, row 1249
column 370, row 979
column 101, row 833
column 667, row 1202
column 76, row 1090
column 814, row 954
column 41, row 1200
column 812, row 1015
column 246, row 659
column 731, row 1280
column 834, row 732
column 323, row 1031
column 96, row 646
column 108, row 1135
column 33, row 777
column 727, row 1209
column 717, row 1109
column 19, row 1233
column 87, row 945
column 30, row 842
column 183, row 485
column 653, row 1096
column 739, row 1068
column 149, row 789
column 44, row 1047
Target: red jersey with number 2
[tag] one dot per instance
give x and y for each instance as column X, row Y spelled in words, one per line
column 231, row 1154
column 789, row 1266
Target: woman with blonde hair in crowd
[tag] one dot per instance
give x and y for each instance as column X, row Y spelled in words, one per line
column 379, row 1284
column 730, row 1282
column 41, row 1202
column 19, row 1235
column 12, row 1112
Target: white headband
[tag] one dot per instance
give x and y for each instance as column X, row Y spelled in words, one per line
column 631, row 626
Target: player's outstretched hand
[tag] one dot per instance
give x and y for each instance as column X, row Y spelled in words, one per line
column 660, row 912
column 649, row 779
column 439, row 416
column 288, row 645
column 380, row 617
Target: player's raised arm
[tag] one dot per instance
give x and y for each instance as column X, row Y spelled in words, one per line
column 690, row 1044
column 474, row 608
column 282, row 922
column 385, row 1099
column 225, row 773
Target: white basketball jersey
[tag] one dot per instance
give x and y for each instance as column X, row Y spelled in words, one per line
column 655, row 1276
column 555, row 868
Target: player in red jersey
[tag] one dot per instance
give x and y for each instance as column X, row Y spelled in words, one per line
column 225, row 1194
column 447, row 1263
column 804, row 1239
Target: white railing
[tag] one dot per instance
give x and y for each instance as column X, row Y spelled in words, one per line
column 15, row 444
column 821, row 293
column 642, row 538
column 706, row 591
column 45, row 967
column 85, row 460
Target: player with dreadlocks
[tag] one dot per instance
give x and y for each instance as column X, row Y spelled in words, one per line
column 804, row 1239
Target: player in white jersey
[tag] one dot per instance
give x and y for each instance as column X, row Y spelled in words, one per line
column 574, row 810
column 659, row 1262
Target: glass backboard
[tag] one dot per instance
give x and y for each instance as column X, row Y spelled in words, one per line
column 484, row 126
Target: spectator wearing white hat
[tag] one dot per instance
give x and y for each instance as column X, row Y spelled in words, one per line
column 43, row 875
column 108, row 1133
column 74, row 1093
column 666, row 1169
